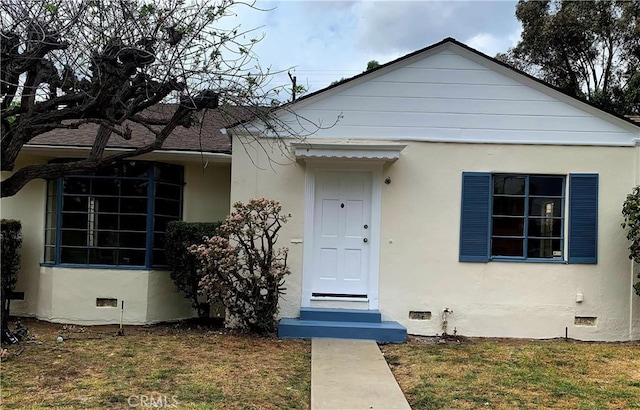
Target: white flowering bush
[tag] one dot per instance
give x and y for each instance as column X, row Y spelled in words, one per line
column 242, row 266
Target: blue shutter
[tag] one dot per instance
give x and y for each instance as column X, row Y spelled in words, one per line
column 475, row 218
column 583, row 218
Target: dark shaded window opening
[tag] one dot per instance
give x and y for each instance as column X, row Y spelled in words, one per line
column 116, row 216
column 527, row 216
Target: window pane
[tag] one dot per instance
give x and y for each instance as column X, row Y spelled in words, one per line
column 545, row 186
column 107, row 221
column 545, row 227
column 73, row 255
column 74, row 238
column 76, row 185
column 106, row 239
column 133, row 240
column 50, row 237
column 134, row 187
column 168, row 191
column 159, row 258
column 133, row 222
column 112, row 171
column 52, row 219
column 103, row 256
column 133, row 206
column 545, row 248
column 160, row 222
column 507, row 247
column 508, row 185
column 131, row 257
column 167, row 207
column 49, row 254
column 74, row 221
column 105, row 186
column 52, row 203
column 508, row 227
column 158, row 240
column 545, row 207
column 106, row 204
column 52, row 187
column 168, row 172
column 75, row 203
column 138, row 169
column 505, row 205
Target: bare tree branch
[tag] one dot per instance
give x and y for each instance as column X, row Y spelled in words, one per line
column 111, row 62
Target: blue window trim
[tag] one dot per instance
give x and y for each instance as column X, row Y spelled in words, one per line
column 525, row 238
column 95, row 266
column 150, row 223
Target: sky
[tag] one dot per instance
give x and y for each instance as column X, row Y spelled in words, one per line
column 323, row 41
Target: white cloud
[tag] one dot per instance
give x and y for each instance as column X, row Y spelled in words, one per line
column 327, row 40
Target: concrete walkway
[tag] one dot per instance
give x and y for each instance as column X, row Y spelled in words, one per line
column 352, row 374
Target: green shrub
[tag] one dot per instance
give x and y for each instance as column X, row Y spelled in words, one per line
column 183, row 264
column 631, row 213
column 11, row 242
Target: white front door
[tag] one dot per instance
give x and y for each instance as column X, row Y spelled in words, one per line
column 342, row 233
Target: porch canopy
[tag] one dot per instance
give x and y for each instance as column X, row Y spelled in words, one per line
column 346, row 151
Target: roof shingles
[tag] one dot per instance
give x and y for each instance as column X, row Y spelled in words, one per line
column 205, row 137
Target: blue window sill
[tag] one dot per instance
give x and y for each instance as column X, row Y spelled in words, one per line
column 532, row 260
column 114, row 267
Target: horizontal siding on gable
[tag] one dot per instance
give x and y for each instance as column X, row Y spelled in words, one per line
column 447, row 96
column 446, row 105
column 410, row 133
column 551, row 123
column 482, row 92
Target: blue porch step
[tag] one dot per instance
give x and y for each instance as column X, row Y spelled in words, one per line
column 341, row 315
column 341, row 324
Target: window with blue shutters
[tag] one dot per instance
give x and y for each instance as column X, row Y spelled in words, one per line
column 523, row 217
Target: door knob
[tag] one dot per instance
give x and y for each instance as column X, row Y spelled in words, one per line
column 365, row 240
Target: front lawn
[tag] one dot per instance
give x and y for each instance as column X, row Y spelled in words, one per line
column 170, row 365
column 512, row 374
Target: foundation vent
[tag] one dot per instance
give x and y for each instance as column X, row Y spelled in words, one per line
column 585, row 320
column 106, row 302
column 419, row 315
column 17, row 295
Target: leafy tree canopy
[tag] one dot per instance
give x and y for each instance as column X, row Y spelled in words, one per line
column 589, row 49
column 109, row 63
column 631, row 214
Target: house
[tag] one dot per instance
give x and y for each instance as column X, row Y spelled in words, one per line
column 443, row 191
column 93, row 242
column 445, row 186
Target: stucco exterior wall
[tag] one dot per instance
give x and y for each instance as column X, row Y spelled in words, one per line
column 68, row 295
column 28, row 206
column 419, row 268
column 267, row 170
column 206, row 192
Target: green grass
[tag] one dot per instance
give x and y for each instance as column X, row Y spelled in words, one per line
column 507, row 374
column 186, row 368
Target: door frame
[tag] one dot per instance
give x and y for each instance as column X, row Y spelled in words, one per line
column 312, row 167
